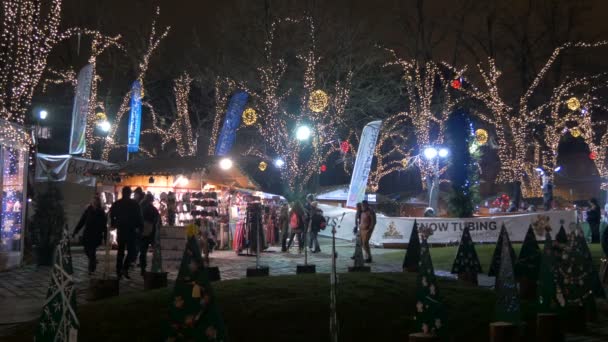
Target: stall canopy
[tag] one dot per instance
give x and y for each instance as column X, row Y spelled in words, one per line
column 208, row 167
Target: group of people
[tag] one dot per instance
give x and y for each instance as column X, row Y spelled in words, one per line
column 300, row 221
column 135, row 220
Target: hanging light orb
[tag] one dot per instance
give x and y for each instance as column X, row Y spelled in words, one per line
column 344, row 146
column 592, row 155
column 262, row 166
column 100, row 117
column 250, row 116
column 575, row 132
column 404, row 163
column 323, row 168
column 318, row 101
column 481, row 135
column 573, row 103
column 456, row 84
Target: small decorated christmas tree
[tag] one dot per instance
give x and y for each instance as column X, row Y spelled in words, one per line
column 548, row 279
column 466, row 264
column 497, row 256
column 507, row 304
column 596, row 284
column 193, row 312
column 561, row 237
column 412, row 255
column 528, row 265
column 59, row 321
column 430, row 313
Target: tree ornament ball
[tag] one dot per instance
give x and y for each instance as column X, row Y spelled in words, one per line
column 481, row 135
column 456, row 84
column 575, row 132
column 592, row 155
column 249, row 116
column 573, row 103
column 100, row 117
column 262, row 166
column 323, row 168
column 344, row 146
column 404, row 162
column 318, row 101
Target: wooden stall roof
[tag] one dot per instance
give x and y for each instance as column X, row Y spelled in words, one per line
column 173, row 166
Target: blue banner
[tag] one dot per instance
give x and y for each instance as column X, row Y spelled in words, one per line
column 134, row 118
column 231, row 123
column 80, row 111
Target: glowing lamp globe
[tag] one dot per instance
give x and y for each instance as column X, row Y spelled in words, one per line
column 43, row 114
column 105, row 126
column 225, row 164
column 303, row 133
column 573, row 103
column 344, row 146
column 481, row 135
column 318, row 101
column 443, row 152
column 279, row 163
column 592, row 155
column 430, row 152
column 323, row 168
column 262, row 166
column 456, row 84
column 575, row 132
column 250, row 116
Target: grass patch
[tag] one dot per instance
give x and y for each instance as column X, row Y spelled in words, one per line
column 371, row 307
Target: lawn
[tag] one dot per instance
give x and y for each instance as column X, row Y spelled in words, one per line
column 371, row 307
column 443, row 257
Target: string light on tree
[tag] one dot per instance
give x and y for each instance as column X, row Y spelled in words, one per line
column 249, row 116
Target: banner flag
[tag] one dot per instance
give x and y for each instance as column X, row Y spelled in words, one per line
column 363, row 163
column 231, row 123
column 134, row 118
column 80, row 111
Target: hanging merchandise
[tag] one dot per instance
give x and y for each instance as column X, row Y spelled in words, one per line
column 318, row 101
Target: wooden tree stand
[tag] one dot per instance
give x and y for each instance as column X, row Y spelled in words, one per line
column 527, row 288
column 214, row 273
column 574, row 319
column 261, row 271
column 361, row 269
column 468, row 277
column 306, row 269
column 504, row 332
column 155, row 280
column 548, row 328
column 102, row 288
column 422, row 337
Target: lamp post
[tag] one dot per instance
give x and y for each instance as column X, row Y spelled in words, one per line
column 433, row 155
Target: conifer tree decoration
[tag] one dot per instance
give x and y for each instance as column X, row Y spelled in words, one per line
column 466, row 258
column 561, row 237
column 596, row 284
column 193, row 312
column 496, row 257
column 575, row 274
column 507, row 304
column 59, row 321
column 430, row 313
column 528, row 263
column 548, row 279
column 412, row 255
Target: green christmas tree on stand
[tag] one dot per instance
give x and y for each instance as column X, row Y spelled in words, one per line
column 59, row 321
column 507, row 304
column 596, row 284
column 528, row 265
column 193, row 312
column 466, row 264
column 497, row 256
column 561, row 237
column 548, row 279
column 412, row 255
column 430, row 313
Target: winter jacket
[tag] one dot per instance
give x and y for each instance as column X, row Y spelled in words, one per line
column 94, row 220
column 594, row 215
column 151, row 216
column 318, row 221
column 125, row 215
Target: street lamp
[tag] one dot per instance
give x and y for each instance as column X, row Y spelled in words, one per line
column 433, row 155
column 279, row 163
column 443, row 152
column 225, row 164
column 303, row 133
column 105, row 126
column 42, row 114
column 430, row 153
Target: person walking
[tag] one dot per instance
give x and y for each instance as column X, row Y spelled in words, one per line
column 94, row 220
column 296, row 225
column 151, row 218
column 125, row 216
column 366, row 228
column 284, row 226
column 594, row 216
column 318, row 223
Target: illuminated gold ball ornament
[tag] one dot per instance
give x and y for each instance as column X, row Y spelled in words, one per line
column 481, row 135
column 250, row 116
column 100, row 117
column 575, row 132
column 573, row 103
column 318, row 101
column 404, row 162
column 262, row 166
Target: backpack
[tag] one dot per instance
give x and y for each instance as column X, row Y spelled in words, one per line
column 294, row 221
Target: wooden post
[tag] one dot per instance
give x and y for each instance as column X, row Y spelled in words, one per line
column 548, row 328
column 422, row 337
column 504, row 332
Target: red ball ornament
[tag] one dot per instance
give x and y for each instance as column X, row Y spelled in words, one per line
column 592, row 155
column 323, row 168
column 344, row 146
column 456, row 84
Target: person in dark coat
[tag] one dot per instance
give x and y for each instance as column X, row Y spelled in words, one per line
column 94, row 220
column 284, row 226
column 125, row 216
column 318, row 223
column 151, row 218
column 594, row 216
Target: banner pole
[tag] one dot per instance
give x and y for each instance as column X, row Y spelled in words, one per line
column 333, row 313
